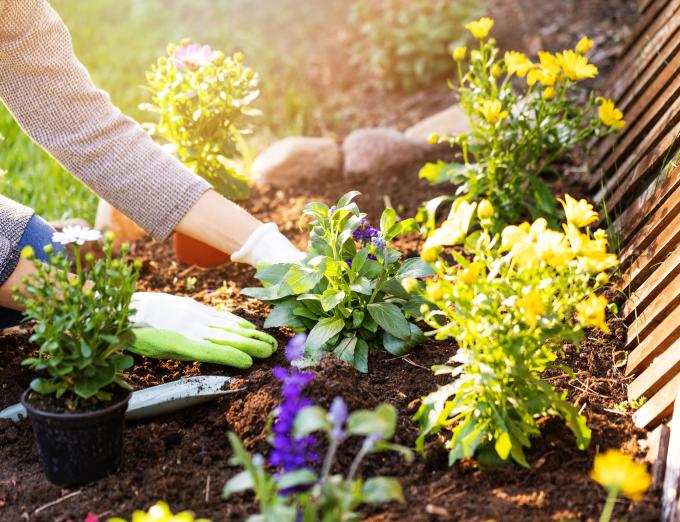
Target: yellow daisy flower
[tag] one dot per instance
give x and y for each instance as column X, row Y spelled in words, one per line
column 480, row 28
column 580, row 213
column 591, row 312
column 492, row 110
column 609, row 114
column 576, row 66
column 584, row 45
column 532, row 306
column 517, row 63
column 617, row 471
column 459, row 53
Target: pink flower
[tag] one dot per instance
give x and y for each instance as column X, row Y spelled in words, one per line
column 194, row 55
column 91, row 517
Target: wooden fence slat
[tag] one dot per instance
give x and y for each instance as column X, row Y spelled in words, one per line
column 634, row 216
column 645, row 294
column 670, row 496
column 660, row 406
column 655, row 343
column 623, row 184
column 647, row 319
column 662, row 370
column 641, row 116
column 663, row 244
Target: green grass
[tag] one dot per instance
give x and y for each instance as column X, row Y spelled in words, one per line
column 117, row 40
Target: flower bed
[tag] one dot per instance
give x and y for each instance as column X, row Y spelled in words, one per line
column 183, row 458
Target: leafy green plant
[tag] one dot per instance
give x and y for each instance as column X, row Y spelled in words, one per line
column 517, row 136
column 408, row 42
column 82, row 326
column 310, row 497
column 347, row 292
column 509, row 300
column 202, row 101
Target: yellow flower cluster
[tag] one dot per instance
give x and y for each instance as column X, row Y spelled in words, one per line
column 160, row 512
column 618, row 472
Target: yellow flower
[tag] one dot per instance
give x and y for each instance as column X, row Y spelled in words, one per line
column 533, row 307
column 433, row 138
column 459, row 53
column 619, row 472
column 584, row 45
column 591, row 312
column 435, row 292
column 517, row 63
column 576, row 66
column 160, row 512
column 471, row 273
column 546, row 72
column 549, row 94
column 610, row 115
column 28, row 253
column 452, row 231
column 555, row 249
column 593, row 256
column 480, row 28
column 492, row 110
column 579, row 213
column 496, row 70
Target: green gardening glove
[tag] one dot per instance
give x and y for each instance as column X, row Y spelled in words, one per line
column 173, row 327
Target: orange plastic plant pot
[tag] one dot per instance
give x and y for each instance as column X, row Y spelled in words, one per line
column 193, row 252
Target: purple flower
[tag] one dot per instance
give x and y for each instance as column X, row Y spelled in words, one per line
column 365, row 232
column 296, row 347
column 372, row 257
column 370, row 441
column 338, row 415
column 290, row 453
column 379, row 243
column 332, row 210
column 193, row 56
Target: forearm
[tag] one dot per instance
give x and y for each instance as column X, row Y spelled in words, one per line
column 23, row 269
column 218, row 222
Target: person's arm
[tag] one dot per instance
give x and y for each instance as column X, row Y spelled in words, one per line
column 22, row 268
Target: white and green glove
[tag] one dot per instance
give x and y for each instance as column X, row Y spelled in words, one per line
column 173, row 327
column 267, row 246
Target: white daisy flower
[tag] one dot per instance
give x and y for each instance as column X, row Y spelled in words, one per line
column 76, row 234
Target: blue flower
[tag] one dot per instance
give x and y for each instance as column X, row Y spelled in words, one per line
column 379, row 243
column 365, row 232
column 338, row 415
column 296, row 347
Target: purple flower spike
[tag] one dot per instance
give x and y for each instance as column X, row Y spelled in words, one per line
column 338, row 414
column 365, row 232
column 296, row 347
column 379, row 243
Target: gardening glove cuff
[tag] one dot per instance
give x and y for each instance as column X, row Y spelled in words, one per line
column 267, row 245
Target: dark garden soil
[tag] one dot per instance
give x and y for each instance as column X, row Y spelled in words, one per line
column 183, row 457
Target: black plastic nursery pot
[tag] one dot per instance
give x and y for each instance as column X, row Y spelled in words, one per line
column 78, row 448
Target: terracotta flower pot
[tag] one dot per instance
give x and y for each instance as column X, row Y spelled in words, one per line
column 194, row 252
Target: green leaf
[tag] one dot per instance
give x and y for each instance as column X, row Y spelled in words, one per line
column 324, row 330
column 399, row 347
column 273, row 274
column 393, row 287
column 414, row 267
column 382, row 420
column 347, row 198
column 387, row 220
column 345, row 349
column 311, row 419
column 361, row 356
column 378, row 490
column 390, row 318
column 269, row 293
column 242, row 481
column 43, row 386
column 292, row 479
column 331, row 298
column 301, row 279
column 283, row 314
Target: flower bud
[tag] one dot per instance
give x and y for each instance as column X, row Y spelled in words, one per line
column 601, row 279
column 109, row 237
column 238, row 56
column 89, row 257
column 433, row 138
column 435, row 292
column 485, row 210
column 475, row 55
column 410, row 284
column 429, row 255
column 459, row 53
column 424, row 308
column 28, row 253
column 549, row 94
column 496, row 70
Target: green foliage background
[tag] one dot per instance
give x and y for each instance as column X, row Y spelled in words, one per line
column 118, row 40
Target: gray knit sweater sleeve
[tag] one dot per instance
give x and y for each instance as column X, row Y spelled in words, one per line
column 53, row 98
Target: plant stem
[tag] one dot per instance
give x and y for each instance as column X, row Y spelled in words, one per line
column 609, row 505
column 328, row 460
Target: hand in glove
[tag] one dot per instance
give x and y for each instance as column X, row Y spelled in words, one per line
column 172, row 327
column 267, row 245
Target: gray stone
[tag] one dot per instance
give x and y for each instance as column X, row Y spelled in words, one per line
column 449, row 122
column 295, row 159
column 376, row 151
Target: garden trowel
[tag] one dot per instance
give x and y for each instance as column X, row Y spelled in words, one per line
column 159, row 400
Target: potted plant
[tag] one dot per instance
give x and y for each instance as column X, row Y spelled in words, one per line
column 77, row 405
column 202, row 98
